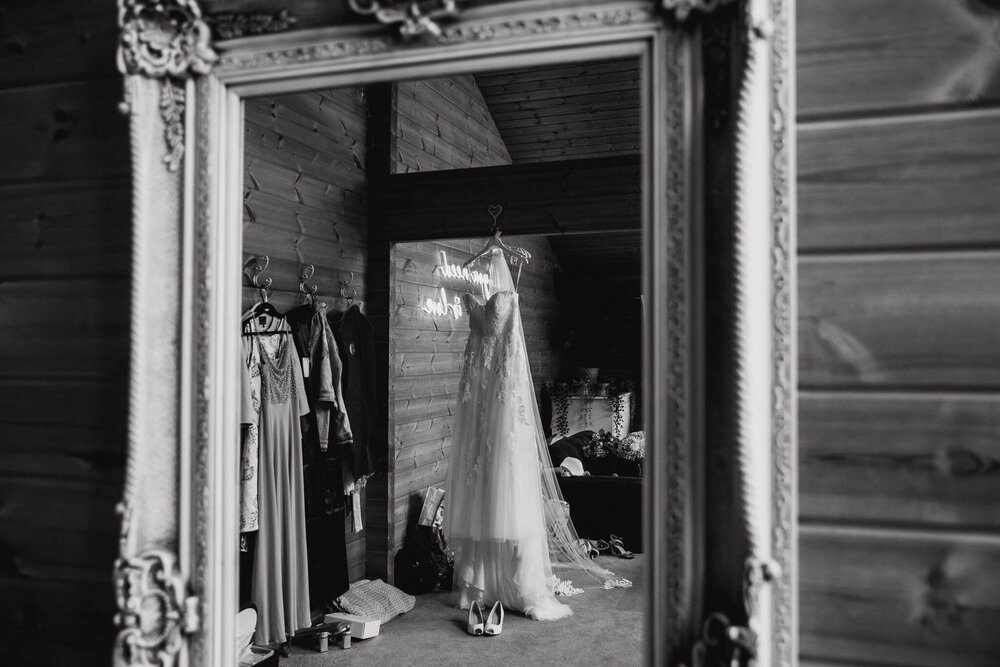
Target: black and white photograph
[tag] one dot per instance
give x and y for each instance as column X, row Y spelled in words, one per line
column 500, row 332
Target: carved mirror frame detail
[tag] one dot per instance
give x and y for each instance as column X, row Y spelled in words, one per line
column 180, row 89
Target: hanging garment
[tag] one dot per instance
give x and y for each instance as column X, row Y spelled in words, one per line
column 355, row 340
column 505, row 517
column 314, row 340
column 250, row 417
column 279, row 585
column 322, row 469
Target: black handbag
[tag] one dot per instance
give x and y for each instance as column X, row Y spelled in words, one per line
column 424, row 564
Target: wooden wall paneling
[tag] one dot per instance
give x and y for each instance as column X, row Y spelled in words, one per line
column 541, row 77
column 59, row 328
column 50, row 527
column 899, row 597
column 897, row 170
column 583, row 110
column 331, row 113
column 63, row 428
column 916, row 321
column 442, row 124
column 322, row 146
column 64, row 230
column 482, row 146
column 456, row 99
column 926, row 181
column 627, row 81
column 855, row 56
column 900, row 458
column 298, row 187
column 56, row 41
column 64, row 131
column 342, row 227
column 293, row 247
column 521, row 124
column 33, row 606
column 57, row 229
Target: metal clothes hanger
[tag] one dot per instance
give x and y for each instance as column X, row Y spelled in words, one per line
column 518, row 256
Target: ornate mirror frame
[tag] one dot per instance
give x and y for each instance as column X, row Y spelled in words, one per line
column 176, row 574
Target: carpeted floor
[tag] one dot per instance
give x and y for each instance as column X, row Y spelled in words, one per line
column 605, row 629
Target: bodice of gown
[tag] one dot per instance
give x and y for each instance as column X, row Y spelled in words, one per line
column 489, row 319
column 491, row 347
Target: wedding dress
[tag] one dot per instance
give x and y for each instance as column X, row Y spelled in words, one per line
column 505, row 517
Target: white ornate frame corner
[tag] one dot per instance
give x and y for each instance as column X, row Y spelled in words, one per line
column 176, row 574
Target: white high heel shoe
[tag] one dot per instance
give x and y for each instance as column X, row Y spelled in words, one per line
column 494, row 622
column 475, row 625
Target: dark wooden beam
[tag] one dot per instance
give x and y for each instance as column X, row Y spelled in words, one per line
column 575, row 196
column 380, row 494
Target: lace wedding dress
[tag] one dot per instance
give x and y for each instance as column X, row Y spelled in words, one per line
column 505, row 516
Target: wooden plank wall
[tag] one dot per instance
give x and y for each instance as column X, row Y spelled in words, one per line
column 427, row 358
column 64, row 320
column 567, row 112
column 305, row 202
column 442, row 124
column 899, row 192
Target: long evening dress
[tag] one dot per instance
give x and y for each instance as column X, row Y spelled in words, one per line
column 280, row 586
column 505, row 517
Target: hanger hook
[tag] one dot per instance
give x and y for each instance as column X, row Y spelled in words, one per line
column 344, row 284
column 309, row 290
column 255, row 272
column 495, row 210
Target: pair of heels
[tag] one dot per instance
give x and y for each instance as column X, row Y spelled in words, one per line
column 493, row 623
column 618, row 548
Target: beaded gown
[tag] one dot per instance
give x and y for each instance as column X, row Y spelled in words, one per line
column 280, row 585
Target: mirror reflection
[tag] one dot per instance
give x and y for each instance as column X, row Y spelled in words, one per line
column 442, row 368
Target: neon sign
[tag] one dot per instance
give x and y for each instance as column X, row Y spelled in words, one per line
column 445, row 306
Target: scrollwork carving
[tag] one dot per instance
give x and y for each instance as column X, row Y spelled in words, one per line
column 167, row 41
column 160, row 39
column 681, row 9
column 154, row 610
column 415, row 17
column 232, row 25
column 172, row 99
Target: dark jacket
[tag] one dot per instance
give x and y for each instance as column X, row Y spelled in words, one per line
column 355, row 340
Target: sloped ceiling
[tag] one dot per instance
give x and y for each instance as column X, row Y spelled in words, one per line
column 566, row 112
column 570, row 112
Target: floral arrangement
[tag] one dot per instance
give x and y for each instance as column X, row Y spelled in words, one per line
column 603, row 444
column 633, row 447
column 600, row 445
